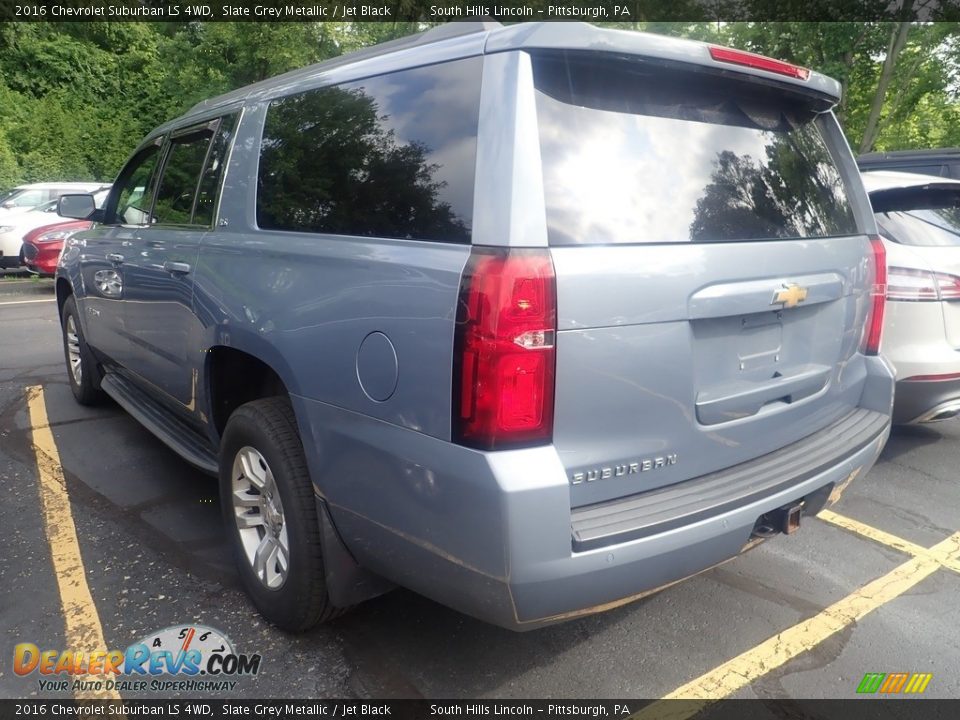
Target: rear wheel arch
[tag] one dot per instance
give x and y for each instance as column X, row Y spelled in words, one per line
column 235, row 377
column 271, row 516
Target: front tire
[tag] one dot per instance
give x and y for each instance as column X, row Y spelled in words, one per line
column 82, row 369
column 271, row 516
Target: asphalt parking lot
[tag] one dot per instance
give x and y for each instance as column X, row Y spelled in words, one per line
column 870, row 588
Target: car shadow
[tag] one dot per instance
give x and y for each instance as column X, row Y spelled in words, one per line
column 907, row 438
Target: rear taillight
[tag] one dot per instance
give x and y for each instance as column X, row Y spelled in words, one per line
column 760, row 62
column 878, row 296
column 912, row 285
column 505, row 351
column 948, row 285
column 945, row 377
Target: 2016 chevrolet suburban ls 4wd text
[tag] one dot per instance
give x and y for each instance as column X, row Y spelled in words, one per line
column 532, row 320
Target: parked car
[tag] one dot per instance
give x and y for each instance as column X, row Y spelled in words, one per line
column 919, row 220
column 28, row 197
column 42, row 245
column 533, row 320
column 943, row 162
column 13, row 227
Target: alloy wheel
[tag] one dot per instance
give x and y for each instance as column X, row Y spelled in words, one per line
column 258, row 512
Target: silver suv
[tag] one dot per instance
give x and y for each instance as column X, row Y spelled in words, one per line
column 532, row 320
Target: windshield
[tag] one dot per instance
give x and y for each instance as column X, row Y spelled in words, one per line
column 22, row 198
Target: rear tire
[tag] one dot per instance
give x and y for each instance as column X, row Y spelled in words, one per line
column 82, row 369
column 271, row 515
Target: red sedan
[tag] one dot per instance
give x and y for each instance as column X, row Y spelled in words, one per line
column 42, row 246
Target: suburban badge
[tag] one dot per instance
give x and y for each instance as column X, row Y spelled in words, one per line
column 631, row 468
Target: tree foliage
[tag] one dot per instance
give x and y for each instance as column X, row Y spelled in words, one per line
column 917, row 103
column 75, row 98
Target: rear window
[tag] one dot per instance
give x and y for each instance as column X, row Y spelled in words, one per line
column 636, row 153
column 921, row 218
column 391, row 156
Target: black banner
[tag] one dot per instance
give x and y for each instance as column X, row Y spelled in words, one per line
column 854, row 709
column 626, row 11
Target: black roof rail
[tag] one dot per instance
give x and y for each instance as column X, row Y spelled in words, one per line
column 882, row 155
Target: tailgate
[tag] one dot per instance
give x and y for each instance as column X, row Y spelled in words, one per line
column 712, row 279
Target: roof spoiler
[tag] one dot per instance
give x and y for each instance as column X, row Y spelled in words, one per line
column 910, row 198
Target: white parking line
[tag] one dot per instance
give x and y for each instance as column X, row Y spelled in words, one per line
column 27, row 302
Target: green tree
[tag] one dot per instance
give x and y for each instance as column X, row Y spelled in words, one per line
column 76, row 98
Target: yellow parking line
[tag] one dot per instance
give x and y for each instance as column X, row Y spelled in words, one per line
column 83, row 629
column 872, row 533
column 945, row 556
column 776, row 651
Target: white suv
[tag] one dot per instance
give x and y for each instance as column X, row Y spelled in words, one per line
column 30, row 206
column 919, row 220
column 27, row 197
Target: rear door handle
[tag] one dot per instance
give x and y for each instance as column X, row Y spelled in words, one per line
column 115, row 258
column 177, row 267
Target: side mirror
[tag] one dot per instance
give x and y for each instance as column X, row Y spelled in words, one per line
column 8, row 204
column 78, row 207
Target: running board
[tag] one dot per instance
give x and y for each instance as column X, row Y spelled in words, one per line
column 173, row 432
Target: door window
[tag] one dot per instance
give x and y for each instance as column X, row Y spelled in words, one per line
column 177, row 190
column 132, row 195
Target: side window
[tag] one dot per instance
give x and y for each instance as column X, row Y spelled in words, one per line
column 213, row 172
column 177, row 189
column 131, row 197
column 390, row 156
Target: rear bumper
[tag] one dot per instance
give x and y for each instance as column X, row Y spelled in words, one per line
column 608, row 575
column 10, row 246
column 493, row 534
column 9, row 261
column 926, row 401
column 915, row 342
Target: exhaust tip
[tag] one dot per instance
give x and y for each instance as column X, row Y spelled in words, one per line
column 943, row 412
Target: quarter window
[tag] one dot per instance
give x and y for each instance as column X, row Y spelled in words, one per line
column 391, row 156
column 213, row 172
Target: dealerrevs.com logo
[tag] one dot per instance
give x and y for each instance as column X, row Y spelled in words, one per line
column 179, row 658
column 894, row 683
